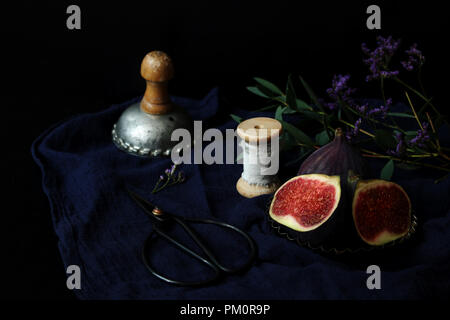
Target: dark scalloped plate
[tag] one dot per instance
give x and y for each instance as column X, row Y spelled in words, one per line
column 360, row 248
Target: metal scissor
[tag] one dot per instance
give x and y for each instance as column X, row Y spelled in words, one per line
column 162, row 219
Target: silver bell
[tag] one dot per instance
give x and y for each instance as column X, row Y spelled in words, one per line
column 145, row 128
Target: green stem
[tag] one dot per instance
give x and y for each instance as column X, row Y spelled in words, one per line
column 383, row 94
column 413, row 110
column 376, row 121
column 418, row 94
column 419, row 78
column 382, row 90
column 363, row 131
column 375, row 155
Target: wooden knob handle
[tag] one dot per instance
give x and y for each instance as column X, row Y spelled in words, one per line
column 157, row 70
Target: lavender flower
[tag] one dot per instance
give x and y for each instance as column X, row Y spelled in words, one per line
column 421, row 137
column 415, row 58
column 400, row 149
column 340, row 90
column 172, row 179
column 381, row 110
column 331, row 105
column 378, row 59
column 363, row 109
column 354, row 131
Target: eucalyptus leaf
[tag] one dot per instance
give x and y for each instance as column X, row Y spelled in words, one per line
column 311, row 94
column 384, row 139
column 411, row 133
column 387, row 171
column 400, row 114
column 322, row 138
column 272, row 106
column 303, row 153
column 269, row 85
column 290, row 111
column 287, row 141
column 291, row 99
column 236, row 118
column 279, row 113
column 302, row 105
column 298, row 134
column 311, row 115
column 257, row 91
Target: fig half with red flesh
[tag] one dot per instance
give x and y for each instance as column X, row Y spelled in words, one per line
column 381, row 211
column 304, row 203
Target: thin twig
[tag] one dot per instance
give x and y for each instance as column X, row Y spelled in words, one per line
column 363, row 131
column 414, row 111
column 434, row 131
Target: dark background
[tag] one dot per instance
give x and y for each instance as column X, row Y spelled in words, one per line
column 51, row 73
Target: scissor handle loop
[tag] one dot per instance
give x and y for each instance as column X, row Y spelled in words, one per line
column 212, row 262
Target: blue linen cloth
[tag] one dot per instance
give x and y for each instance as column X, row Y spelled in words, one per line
column 101, row 230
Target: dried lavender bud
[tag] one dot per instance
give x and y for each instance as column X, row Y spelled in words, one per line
column 340, row 90
column 352, row 133
column 400, row 149
column 421, row 137
column 379, row 58
column 415, row 58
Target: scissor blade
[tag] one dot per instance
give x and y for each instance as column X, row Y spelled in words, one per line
column 143, row 203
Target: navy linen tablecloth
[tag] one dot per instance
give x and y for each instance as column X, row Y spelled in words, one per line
column 101, row 230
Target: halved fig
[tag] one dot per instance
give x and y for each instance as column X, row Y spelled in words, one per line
column 381, row 211
column 305, row 203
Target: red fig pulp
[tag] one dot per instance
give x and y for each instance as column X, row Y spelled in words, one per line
column 304, row 203
column 381, row 211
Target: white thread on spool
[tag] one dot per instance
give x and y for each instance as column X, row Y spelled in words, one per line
column 259, row 172
column 256, row 160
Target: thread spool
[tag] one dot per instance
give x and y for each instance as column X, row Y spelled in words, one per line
column 256, row 135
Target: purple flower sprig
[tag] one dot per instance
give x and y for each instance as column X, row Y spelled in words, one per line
column 380, row 111
column 352, row 133
column 400, row 149
column 379, row 58
column 340, row 91
column 422, row 136
column 170, row 178
column 415, row 58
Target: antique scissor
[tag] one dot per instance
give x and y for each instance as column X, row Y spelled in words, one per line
column 162, row 220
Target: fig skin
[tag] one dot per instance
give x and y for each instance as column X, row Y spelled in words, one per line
column 384, row 236
column 335, row 158
column 338, row 157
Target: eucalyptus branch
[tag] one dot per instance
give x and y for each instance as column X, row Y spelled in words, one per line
column 416, row 147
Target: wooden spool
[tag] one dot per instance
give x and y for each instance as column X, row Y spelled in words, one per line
column 257, row 130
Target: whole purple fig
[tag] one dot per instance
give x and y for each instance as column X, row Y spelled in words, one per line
column 335, row 158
